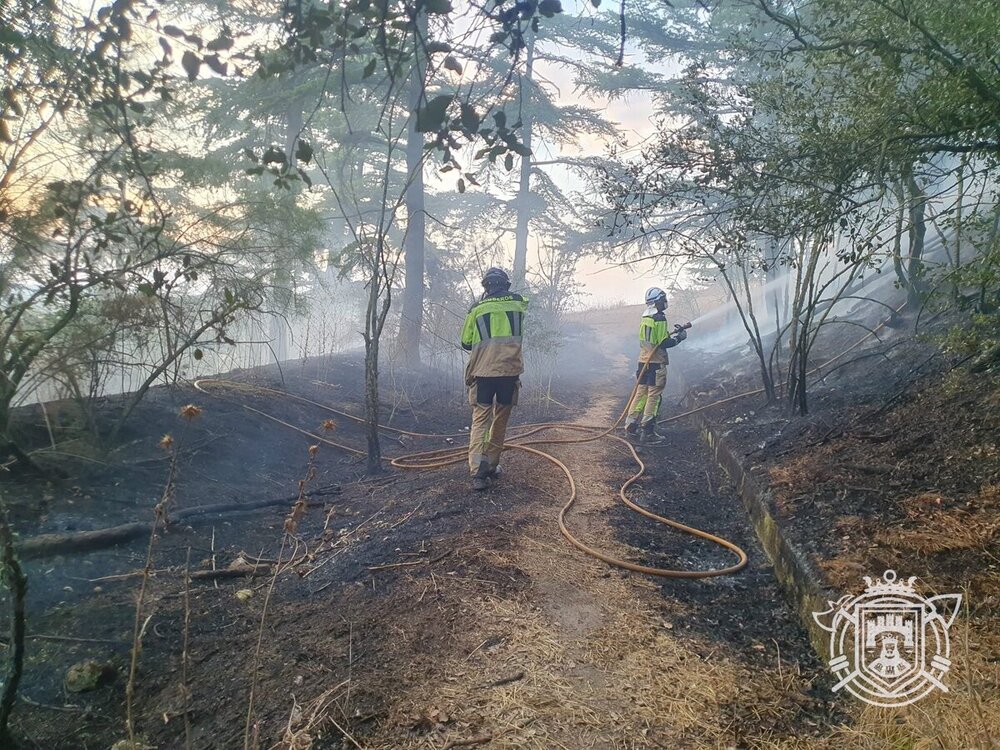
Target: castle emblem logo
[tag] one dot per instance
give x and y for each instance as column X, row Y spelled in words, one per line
column 889, row 645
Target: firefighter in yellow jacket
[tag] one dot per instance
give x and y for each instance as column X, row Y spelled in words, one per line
column 654, row 339
column 492, row 334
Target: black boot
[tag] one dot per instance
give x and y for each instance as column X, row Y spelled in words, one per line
column 632, row 429
column 649, row 435
column 480, row 480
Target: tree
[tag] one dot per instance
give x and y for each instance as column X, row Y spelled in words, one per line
column 806, row 138
column 411, row 320
column 372, row 54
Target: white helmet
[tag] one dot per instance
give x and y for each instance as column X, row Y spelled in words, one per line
column 654, row 294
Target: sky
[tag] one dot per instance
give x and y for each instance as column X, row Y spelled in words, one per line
column 604, row 282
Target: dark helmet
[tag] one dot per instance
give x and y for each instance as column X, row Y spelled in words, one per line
column 496, row 280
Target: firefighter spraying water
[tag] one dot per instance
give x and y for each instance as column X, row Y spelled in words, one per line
column 654, row 339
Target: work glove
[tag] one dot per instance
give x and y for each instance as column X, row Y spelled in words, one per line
column 679, row 335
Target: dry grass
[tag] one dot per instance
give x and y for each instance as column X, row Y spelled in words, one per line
column 306, row 723
column 935, row 524
column 600, row 669
column 845, row 571
column 968, row 716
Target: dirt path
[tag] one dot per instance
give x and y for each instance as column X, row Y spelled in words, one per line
column 584, row 656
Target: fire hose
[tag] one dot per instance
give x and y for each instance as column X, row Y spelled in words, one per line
column 435, row 459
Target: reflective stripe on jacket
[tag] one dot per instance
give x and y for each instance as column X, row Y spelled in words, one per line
column 493, row 333
column 653, row 331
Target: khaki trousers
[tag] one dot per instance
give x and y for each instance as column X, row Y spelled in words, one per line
column 488, row 430
column 646, row 402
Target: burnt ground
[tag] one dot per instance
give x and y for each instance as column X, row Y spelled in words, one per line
column 410, row 612
column 896, row 466
column 746, row 613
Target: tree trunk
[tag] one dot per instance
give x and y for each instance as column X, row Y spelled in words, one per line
column 897, row 240
column 960, row 205
column 375, row 316
column 803, row 309
column 749, row 321
column 374, row 464
column 16, row 581
column 524, row 184
column 756, row 340
column 918, row 229
column 411, row 321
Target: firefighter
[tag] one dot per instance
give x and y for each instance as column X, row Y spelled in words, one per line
column 492, row 334
column 654, row 340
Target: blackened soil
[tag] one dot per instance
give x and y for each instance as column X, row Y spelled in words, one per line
column 328, row 615
column 745, row 615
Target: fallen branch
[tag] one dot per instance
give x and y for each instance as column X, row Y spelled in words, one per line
column 241, row 572
column 482, row 739
column 45, row 545
column 507, row 680
column 411, row 563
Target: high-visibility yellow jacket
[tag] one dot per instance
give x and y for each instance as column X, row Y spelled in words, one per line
column 492, row 333
column 654, row 337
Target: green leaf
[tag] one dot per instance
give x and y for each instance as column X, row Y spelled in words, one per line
column 461, row 185
column 173, row 31
column 508, row 161
column 198, row 354
column 450, row 63
column 549, row 8
column 274, row 155
column 220, row 44
column 470, row 118
column 440, row 7
column 216, row 64
column 435, row 47
column 191, row 64
column 304, row 152
column 431, row 117
column 370, row 68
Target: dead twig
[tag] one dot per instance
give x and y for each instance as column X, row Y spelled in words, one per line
column 345, row 733
column 69, row 709
column 71, row 639
column 410, row 563
column 482, row 739
column 49, row 544
column 507, row 680
column 185, row 687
